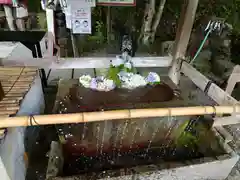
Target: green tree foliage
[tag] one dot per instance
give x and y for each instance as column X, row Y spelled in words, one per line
column 227, row 9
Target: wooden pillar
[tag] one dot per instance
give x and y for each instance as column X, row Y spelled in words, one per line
column 233, row 79
column 51, row 30
column 182, row 37
column 50, row 21
column 109, row 25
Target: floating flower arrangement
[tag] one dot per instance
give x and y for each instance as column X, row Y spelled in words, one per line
column 121, row 74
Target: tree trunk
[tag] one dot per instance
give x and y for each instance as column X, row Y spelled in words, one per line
column 148, row 18
column 157, row 19
column 150, row 23
column 143, row 23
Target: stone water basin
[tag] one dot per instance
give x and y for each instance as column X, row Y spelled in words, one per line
column 110, row 145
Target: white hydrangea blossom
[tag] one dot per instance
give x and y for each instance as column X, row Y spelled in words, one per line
column 100, row 86
column 106, row 85
column 138, row 81
column 85, row 80
column 131, row 81
column 124, row 76
column 109, row 84
column 99, row 83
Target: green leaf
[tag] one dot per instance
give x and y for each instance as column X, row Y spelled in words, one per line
column 113, row 75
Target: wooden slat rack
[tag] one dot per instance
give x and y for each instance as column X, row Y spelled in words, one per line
column 16, row 82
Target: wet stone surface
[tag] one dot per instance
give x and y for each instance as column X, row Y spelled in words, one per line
column 81, row 99
column 106, row 146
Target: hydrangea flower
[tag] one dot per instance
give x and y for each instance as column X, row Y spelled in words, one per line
column 138, row 80
column 85, row 81
column 131, row 81
column 153, row 78
column 93, row 84
column 102, row 84
column 109, row 84
column 100, row 78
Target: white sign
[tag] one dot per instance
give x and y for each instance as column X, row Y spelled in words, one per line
column 117, row 2
column 81, row 20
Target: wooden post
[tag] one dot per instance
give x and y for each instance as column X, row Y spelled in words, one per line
column 233, row 79
column 74, row 46
column 182, row 38
column 109, row 25
column 51, row 30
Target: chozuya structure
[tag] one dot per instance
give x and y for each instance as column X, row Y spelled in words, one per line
column 21, row 87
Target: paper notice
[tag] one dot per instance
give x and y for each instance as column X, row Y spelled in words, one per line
column 81, row 20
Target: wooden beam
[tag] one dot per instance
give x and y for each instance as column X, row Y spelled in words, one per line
column 235, row 118
column 6, row 48
column 225, row 134
column 229, row 120
column 19, row 52
column 83, row 62
column 214, row 92
column 233, row 79
column 182, row 38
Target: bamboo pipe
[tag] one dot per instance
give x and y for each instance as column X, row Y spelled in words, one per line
column 113, row 115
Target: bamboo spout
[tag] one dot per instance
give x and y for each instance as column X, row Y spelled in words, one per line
column 113, row 115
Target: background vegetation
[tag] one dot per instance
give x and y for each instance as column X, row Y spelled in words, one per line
column 131, row 19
